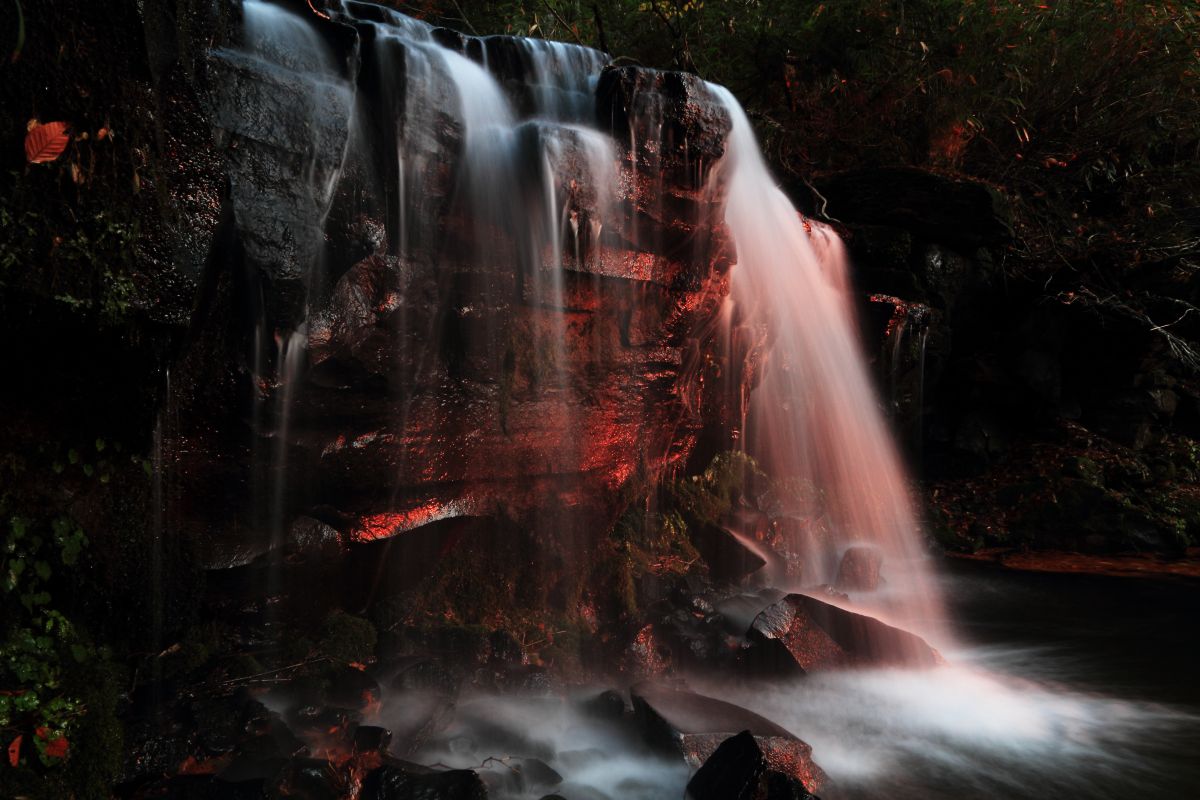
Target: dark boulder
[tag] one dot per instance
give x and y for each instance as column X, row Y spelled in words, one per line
column 692, row 726
column 739, row 770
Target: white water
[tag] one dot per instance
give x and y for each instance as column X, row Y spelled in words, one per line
column 597, row 759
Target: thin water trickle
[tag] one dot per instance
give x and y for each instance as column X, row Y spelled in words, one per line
column 292, row 351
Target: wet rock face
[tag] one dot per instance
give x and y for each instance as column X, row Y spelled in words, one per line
column 281, row 116
column 667, row 120
column 448, row 370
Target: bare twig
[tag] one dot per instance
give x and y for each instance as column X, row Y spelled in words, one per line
column 272, row 672
column 822, row 209
column 562, row 21
column 463, row 18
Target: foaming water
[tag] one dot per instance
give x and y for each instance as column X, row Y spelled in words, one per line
column 968, row 729
column 814, row 419
column 494, row 734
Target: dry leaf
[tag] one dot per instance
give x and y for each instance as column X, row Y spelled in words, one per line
column 58, row 747
column 45, row 143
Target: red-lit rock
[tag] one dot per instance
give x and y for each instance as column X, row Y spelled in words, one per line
column 694, row 726
column 801, row 634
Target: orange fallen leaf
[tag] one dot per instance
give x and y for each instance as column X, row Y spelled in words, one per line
column 58, row 748
column 44, row 143
column 14, row 750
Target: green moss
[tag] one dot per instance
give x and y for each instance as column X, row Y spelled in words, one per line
column 346, row 638
column 711, row 495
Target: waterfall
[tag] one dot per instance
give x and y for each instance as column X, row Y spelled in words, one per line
column 815, row 417
column 498, row 179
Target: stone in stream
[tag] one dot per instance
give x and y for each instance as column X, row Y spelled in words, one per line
column 693, row 726
column 398, row 780
column 608, row 706
column 800, row 634
column 859, row 569
column 740, row 770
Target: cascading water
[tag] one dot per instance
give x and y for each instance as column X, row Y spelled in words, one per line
column 535, row 191
column 814, row 418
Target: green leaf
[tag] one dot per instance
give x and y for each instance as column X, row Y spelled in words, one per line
column 100, row 445
column 73, row 456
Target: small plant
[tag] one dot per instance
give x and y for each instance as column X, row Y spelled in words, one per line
column 34, row 700
column 54, row 683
